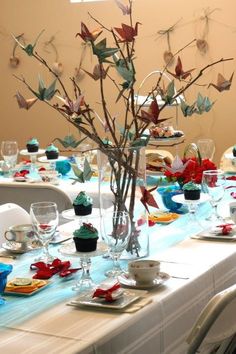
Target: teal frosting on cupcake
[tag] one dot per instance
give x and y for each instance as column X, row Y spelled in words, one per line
column 191, row 186
column 51, row 147
column 83, row 199
column 33, row 141
column 86, row 231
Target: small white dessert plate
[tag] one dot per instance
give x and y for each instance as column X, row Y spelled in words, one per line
column 70, row 250
column 128, row 298
column 25, row 152
column 19, row 179
column 70, row 214
column 180, row 199
column 214, row 235
column 45, row 159
column 126, row 280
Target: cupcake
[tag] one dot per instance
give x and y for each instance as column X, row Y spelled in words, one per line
column 52, row 152
column 191, row 191
column 83, row 204
column 32, row 145
column 85, row 238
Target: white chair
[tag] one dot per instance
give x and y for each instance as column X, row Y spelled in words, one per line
column 227, row 164
column 215, row 329
column 24, row 194
column 11, row 214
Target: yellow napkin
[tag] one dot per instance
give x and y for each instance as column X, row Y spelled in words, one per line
column 33, row 286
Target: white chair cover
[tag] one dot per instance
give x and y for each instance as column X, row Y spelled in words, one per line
column 11, row 214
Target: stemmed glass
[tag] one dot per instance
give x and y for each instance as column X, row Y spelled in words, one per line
column 206, row 148
column 9, row 152
column 44, row 218
column 213, row 183
column 116, row 233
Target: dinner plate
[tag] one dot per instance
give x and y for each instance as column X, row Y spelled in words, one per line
column 27, row 294
column 180, row 199
column 129, row 296
column 45, row 159
column 126, row 280
column 14, row 247
column 154, row 173
column 166, row 141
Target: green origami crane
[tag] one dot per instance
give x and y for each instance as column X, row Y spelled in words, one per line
column 69, row 141
column 82, row 175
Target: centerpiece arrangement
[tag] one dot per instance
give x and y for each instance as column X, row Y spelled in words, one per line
column 121, row 143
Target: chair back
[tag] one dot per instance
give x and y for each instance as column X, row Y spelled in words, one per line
column 216, row 325
column 227, row 164
column 24, row 194
column 11, row 214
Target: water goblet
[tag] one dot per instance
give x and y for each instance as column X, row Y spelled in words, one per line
column 9, row 152
column 213, row 183
column 206, row 148
column 44, row 218
column 116, row 233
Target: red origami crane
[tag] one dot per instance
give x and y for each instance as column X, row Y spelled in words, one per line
column 179, row 72
column 147, row 198
column 127, row 33
column 87, row 35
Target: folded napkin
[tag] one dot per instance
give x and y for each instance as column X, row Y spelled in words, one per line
column 46, row 271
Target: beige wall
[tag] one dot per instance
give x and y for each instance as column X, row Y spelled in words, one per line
column 63, row 19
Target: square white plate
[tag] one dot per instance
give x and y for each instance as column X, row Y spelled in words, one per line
column 214, row 236
column 128, row 298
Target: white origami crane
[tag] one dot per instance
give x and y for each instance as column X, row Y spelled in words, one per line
column 177, row 165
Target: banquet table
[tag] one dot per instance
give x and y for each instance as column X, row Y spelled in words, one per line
column 198, row 269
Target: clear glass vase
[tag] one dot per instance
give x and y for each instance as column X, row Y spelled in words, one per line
column 122, row 175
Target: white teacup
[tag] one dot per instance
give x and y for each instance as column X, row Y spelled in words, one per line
column 20, row 234
column 144, row 271
column 232, row 210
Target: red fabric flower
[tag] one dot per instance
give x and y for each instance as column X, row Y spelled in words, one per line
column 192, row 172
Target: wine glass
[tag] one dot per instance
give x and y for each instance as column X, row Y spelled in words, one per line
column 213, row 183
column 9, row 152
column 116, row 233
column 206, row 148
column 44, row 218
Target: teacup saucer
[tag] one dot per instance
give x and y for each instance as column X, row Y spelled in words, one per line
column 126, row 280
column 14, row 247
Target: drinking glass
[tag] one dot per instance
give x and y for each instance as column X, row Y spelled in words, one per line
column 44, row 218
column 206, row 148
column 116, row 233
column 213, row 183
column 9, row 152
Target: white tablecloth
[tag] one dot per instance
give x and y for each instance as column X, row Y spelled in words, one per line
column 160, row 327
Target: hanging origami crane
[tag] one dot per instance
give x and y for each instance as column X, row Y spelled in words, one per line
column 29, row 48
column 24, row 103
column 179, row 72
column 222, row 83
column 98, row 72
column 126, row 10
